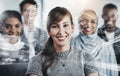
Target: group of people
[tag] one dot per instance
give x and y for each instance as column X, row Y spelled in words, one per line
column 94, row 52
column 20, row 39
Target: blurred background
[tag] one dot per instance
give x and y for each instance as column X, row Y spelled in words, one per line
column 75, row 7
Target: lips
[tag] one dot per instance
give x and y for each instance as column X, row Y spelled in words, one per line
column 88, row 29
column 61, row 38
column 12, row 36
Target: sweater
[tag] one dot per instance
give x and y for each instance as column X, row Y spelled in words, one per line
column 72, row 62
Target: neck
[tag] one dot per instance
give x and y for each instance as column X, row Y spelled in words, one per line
column 62, row 48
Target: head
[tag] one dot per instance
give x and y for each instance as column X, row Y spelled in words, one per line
column 88, row 22
column 28, row 9
column 12, row 23
column 25, row 4
column 110, row 16
column 60, row 26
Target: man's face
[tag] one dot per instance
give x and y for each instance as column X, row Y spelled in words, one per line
column 29, row 13
column 110, row 17
column 88, row 22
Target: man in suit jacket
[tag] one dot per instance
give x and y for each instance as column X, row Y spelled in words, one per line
column 109, row 31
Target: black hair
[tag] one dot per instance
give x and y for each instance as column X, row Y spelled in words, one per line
column 8, row 14
column 110, row 6
column 49, row 53
column 33, row 2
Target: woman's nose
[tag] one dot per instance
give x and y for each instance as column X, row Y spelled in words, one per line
column 88, row 23
column 61, row 30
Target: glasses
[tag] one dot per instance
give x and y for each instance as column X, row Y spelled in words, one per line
column 84, row 21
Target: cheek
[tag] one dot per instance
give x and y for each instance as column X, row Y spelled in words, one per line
column 24, row 14
column 81, row 27
column 95, row 26
column 69, row 31
column 20, row 30
column 114, row 21
column 6, row 30
column 52, row 32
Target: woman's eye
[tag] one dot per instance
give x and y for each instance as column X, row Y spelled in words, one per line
column 17, row 26
column 54, row 26
column 8, row 26
column 94, row 22
column 113, row 16
column 66, row 25
column 83, row 21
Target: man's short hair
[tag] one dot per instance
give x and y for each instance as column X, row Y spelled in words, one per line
column 110, row 6
column 33, row 2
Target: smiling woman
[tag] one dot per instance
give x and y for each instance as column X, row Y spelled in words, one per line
column 12, row 49
column 14, row 54
column 58, row 58
column 13, row 29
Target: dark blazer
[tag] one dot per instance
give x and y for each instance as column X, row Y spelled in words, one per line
column 116, row 45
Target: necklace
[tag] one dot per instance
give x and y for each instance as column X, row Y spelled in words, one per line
column 62, row 57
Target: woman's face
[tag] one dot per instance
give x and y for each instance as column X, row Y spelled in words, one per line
column 61, row 32
column 13, row 28
column 88, row 23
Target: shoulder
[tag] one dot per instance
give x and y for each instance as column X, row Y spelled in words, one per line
column 76, row 51
column 37, row 57
column 82, row 52
column 75, row 39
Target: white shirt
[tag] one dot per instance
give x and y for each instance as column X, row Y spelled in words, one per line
column 110, row 35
